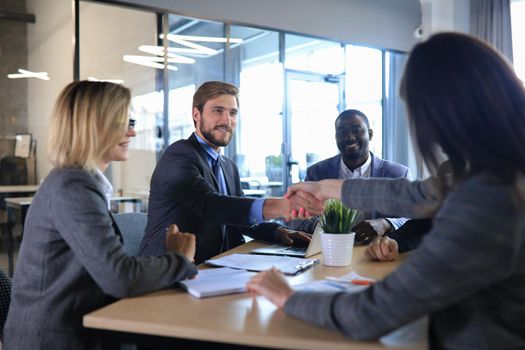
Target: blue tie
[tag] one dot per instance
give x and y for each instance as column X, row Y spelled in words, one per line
column 217, row 171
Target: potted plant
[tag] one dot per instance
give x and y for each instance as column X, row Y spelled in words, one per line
column 337, row 238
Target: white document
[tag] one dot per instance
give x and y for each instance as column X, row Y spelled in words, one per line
column 350, row 283
column 218, row 281
column 288, row 265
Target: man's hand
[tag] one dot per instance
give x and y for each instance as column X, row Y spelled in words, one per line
column 304, row 205
column 283, row 207
column 367, row 230
column 272, row 285
column 290, row 237
column 180, row 242
column 382, row 249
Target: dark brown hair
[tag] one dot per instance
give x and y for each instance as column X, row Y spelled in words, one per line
column 464, row 99
column 212, row 89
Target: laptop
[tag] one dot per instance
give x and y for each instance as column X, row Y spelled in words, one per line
column 302, row 252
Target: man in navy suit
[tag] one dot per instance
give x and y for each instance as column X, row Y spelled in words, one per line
column 353, row 136
column 198, row 189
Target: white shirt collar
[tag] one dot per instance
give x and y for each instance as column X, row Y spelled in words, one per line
column 105, row 185
column 363, row 171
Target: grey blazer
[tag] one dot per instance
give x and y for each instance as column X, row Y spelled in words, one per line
column 468, row 274
column 71, row 262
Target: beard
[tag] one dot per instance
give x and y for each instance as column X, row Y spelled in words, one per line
column 360, row 152
column 215, row 135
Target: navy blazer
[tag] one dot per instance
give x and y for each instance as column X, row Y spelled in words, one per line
column 184, row 191
column 379, row 168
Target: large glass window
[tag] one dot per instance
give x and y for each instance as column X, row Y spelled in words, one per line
column 259, row 130
column 313, row 55
column 290, row 94
column 195, row 55
column 364, row 82
column 518, row 36
column 114, row 51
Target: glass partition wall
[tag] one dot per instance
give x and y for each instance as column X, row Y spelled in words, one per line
column 292, row 88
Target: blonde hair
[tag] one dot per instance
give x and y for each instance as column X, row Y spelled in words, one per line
column 89, row 119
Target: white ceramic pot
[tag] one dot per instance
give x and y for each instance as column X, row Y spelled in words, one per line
column 337, row 248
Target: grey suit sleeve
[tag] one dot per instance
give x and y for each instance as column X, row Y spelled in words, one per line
column 466, row 252
column 398, row 222
column 401, row 197
column 82, row 219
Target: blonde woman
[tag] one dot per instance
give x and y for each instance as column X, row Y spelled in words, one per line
column 72, row 260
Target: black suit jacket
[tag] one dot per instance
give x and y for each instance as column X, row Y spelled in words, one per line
column 184, row 191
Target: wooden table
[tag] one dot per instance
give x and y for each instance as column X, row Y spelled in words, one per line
column 233, row 321
column 19, row 189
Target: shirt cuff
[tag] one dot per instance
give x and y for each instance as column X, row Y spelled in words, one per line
column 256, row 211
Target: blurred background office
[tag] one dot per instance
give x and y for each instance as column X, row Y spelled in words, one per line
column 298, row 63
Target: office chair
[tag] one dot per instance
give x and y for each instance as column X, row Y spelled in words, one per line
column 5, row 299
column 132, row 227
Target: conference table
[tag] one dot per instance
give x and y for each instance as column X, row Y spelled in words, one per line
column 174, row 319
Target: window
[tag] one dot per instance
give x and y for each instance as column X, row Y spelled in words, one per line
column 292, row 88
column 364, row 82
column 517, row 11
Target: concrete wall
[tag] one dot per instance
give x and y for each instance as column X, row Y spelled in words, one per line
column 50, row 49
column 444, row 15
column 13, row 55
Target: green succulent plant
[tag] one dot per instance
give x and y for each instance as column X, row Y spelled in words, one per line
column 337, row 218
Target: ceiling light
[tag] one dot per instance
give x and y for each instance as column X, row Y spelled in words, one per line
column 114, row 81
column 149, row 61
column 159, row 51
column 22, row 73
column 195, row 48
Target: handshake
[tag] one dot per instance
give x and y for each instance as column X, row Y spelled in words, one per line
column 302, row 200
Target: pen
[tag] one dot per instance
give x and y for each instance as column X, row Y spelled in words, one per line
column 305, row 265
column 359, row 282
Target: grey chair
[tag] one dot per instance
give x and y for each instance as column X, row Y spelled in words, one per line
column 5, row 299
column 132, row 227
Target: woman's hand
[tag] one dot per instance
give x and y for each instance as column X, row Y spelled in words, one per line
column 272, row 285
column 322, row 190
column 382, row 249
column 180, row 242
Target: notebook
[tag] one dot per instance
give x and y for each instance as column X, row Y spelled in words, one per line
column 217, row 281
column 278, row 249
column 287, row 264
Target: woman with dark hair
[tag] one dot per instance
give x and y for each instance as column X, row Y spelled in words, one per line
column 468, row 273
